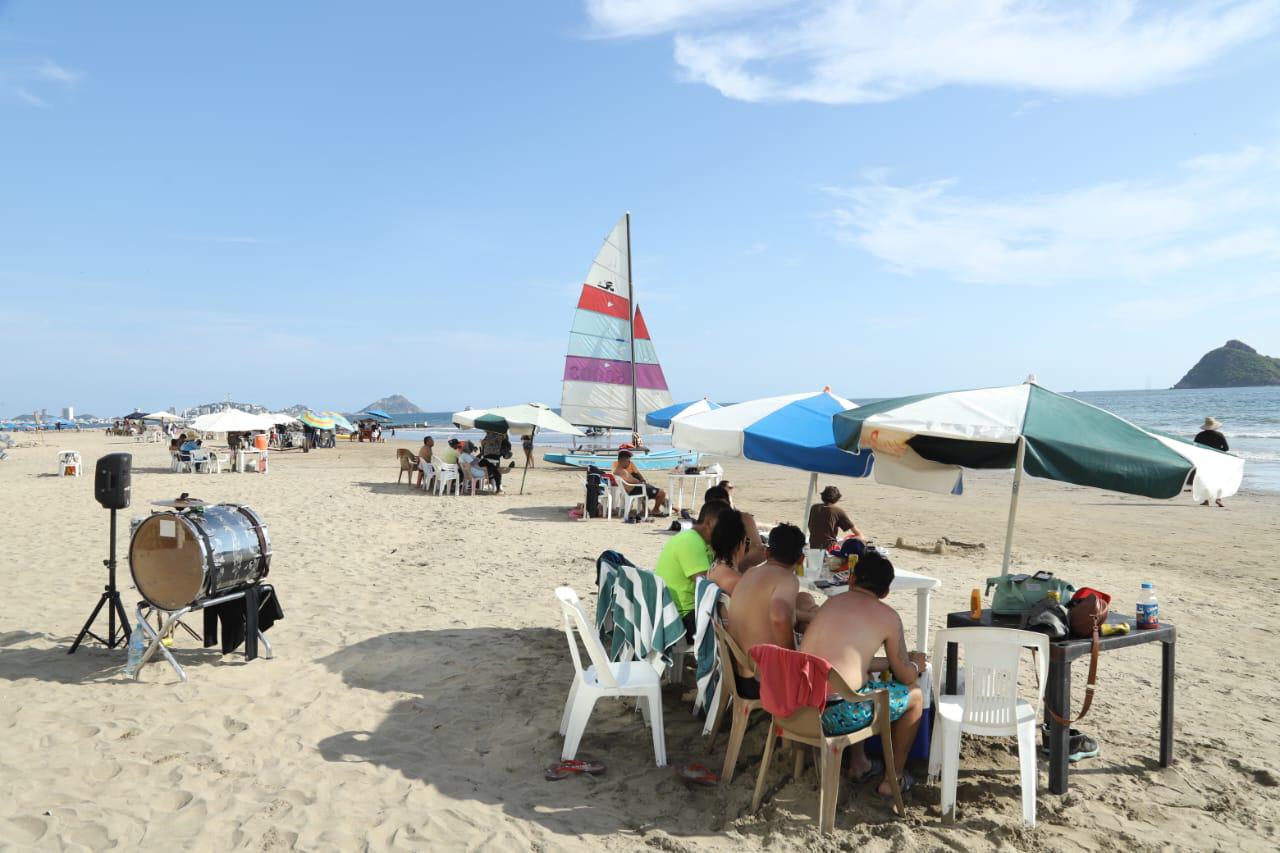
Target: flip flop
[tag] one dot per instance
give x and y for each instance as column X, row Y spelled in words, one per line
column 877, row 769
column 696, row 774
column 905, row 783
column 573, row 767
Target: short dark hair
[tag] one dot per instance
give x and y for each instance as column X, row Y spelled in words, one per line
column 874, row 573
column 730, row 532
column 624, row 454
column 830, row 495
column 786, row 544
column 711, row 509
column 716, row 493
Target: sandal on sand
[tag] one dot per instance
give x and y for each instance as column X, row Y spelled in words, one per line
column 696, row 774
column 876, row 769
column 573, row 767
column 905, row 783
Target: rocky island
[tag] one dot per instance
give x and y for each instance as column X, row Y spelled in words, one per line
column 1233, row 365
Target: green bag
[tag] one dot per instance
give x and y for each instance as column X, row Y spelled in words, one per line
column 1016, row 594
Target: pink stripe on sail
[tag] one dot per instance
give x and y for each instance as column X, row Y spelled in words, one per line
column 580, row 369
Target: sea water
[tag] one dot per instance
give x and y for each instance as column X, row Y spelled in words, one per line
column 1250, row 421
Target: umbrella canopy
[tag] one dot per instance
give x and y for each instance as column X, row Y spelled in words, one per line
column 793, row 431
column 315, row 421
column 663, row 417
column 376, row 414
column 280, row 418
column 340, row 421
column 525, row 417
column 162, row 416
column 136, row 416
column 923, row 441
column 230, row 420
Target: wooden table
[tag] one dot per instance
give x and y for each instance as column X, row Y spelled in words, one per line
column 1058, row 690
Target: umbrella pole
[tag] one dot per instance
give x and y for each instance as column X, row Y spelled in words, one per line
column 808, row 502
column 1013, row 505
column 532, row 433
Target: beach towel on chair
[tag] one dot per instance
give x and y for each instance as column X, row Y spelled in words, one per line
column 607, row 565
column 790, row 680
column 706, row 651
column 646, row 622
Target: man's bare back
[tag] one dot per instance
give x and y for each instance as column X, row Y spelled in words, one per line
column 762, row 609
column 847, row 632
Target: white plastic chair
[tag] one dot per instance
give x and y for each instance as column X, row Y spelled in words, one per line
column 626, row 500
column 989, row 705
column 604, row 678
column 605, row 498
column 428, row 474
column 446, row 476
column 69, row 463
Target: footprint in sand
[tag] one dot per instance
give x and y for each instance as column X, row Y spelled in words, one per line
column 234, row 726
column 25, row 830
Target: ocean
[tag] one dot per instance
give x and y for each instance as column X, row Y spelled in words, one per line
column 1250, row 421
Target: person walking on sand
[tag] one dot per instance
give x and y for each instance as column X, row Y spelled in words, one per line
column 526, row 442
column 1210, row 435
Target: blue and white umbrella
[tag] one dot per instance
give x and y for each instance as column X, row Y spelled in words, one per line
column 794, row 431
column 663, row 417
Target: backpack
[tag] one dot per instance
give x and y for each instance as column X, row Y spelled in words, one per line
column 594, row 487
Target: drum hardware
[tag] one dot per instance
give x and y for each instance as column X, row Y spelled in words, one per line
column 112, row 490
column 171, row 619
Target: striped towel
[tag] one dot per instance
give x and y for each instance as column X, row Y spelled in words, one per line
column 646, row 622
column 607, row 566
column 707, row 650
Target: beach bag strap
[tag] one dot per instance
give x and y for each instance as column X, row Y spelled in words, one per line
column 1088, row 689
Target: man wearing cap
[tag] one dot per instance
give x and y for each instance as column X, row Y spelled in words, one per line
column 1211, row 436
column 826, row 521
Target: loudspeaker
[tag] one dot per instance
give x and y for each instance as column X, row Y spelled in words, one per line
column 111, row 481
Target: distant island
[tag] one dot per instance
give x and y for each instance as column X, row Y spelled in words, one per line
column 396, row 404
column 1234, row 365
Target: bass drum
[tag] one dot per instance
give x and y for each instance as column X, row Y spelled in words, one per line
column 182, row 558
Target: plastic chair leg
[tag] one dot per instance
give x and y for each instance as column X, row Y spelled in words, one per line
column 583, row 704
column 1027, row 762
column 719, row 718
column 828, row 787
column 764, row 768
column 737, row 733
column 655, row 724
column 568, row 706
column 950, row 768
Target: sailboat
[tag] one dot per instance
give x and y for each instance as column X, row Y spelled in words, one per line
column 612, row 377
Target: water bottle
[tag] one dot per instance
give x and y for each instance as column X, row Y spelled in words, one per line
column 1148, row 608
column 137, row 645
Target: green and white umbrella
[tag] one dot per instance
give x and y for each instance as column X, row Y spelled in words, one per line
column 525, row 418
column 924, row 441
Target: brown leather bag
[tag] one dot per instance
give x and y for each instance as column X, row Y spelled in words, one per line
column 1086, row 614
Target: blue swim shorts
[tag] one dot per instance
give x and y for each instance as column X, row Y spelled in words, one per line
column 842, row 718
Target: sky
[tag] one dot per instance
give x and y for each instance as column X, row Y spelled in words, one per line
column 327, row 203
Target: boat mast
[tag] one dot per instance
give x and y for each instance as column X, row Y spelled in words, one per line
column 631, row 284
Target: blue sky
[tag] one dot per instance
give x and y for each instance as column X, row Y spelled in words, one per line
column 326, row 203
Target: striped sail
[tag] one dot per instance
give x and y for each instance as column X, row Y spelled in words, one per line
column 598, row 370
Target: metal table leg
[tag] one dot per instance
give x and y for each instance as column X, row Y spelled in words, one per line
column 1166, row 703
column 1059, row 698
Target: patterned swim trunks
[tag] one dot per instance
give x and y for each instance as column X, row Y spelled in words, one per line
column 842, row 718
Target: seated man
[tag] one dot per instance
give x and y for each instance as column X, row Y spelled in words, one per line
column 633, row 481
column 685, row 558
column 767, row 603
column 754, row 554
column 847, row 632
column 424, row 456
column 826, row 521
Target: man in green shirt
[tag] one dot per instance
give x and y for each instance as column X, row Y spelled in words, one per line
column 685, row 557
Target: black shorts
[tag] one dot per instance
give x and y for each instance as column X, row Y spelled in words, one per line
column 643, row 489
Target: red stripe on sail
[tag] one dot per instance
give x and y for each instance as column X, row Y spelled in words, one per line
column 642, row 331
column 603, row 302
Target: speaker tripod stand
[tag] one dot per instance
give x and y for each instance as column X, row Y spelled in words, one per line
column 111, row 599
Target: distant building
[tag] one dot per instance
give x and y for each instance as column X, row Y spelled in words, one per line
column 69, row 413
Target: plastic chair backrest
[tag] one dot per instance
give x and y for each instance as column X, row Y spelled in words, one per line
column 732, row 657
column 574, row 618
column 806, row 722
column 991, row 657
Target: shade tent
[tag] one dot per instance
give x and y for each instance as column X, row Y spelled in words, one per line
column 793, row 431
column 523, row 418
column 924, row 441
column 230, row 420
column 663, row 417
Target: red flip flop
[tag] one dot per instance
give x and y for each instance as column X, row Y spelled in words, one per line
column 697, row 774
column 573, row 767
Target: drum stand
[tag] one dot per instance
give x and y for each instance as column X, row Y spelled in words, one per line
column 111, row 598
column 173, row 618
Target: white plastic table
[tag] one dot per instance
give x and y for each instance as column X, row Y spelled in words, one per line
column 243, row 455
column 676, row 485
column 902, row 580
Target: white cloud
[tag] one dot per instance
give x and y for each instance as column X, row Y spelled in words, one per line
column 32, row 84
column 1214, row 209
column 52, row 71
column 868, row 51
column 34, row 100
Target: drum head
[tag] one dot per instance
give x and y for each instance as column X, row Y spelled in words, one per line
column 167, row 561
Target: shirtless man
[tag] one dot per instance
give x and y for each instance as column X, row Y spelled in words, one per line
column 425, row 455
column 847, row 632
column 767, row 603
column 626, row 471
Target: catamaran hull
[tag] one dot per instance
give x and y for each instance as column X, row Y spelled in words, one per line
column 657, row 460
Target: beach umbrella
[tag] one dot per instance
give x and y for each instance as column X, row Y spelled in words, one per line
column 230, row 420
column 340, row 421
column 161, row 416
column 924, row 441
column 136, row 416
column 377, row 414
column 523, row 418
column 793, row 431
column 280, row 418
column 315, row 421
column 662, row 417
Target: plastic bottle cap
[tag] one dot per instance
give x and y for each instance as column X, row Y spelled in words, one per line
column 1148, row 585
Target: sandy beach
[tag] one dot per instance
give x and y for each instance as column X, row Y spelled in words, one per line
column 420, row 673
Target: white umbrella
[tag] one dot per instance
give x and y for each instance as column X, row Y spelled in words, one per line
column 231, row 420
column 162, row 416
column 279, row 418
column 525, row 418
